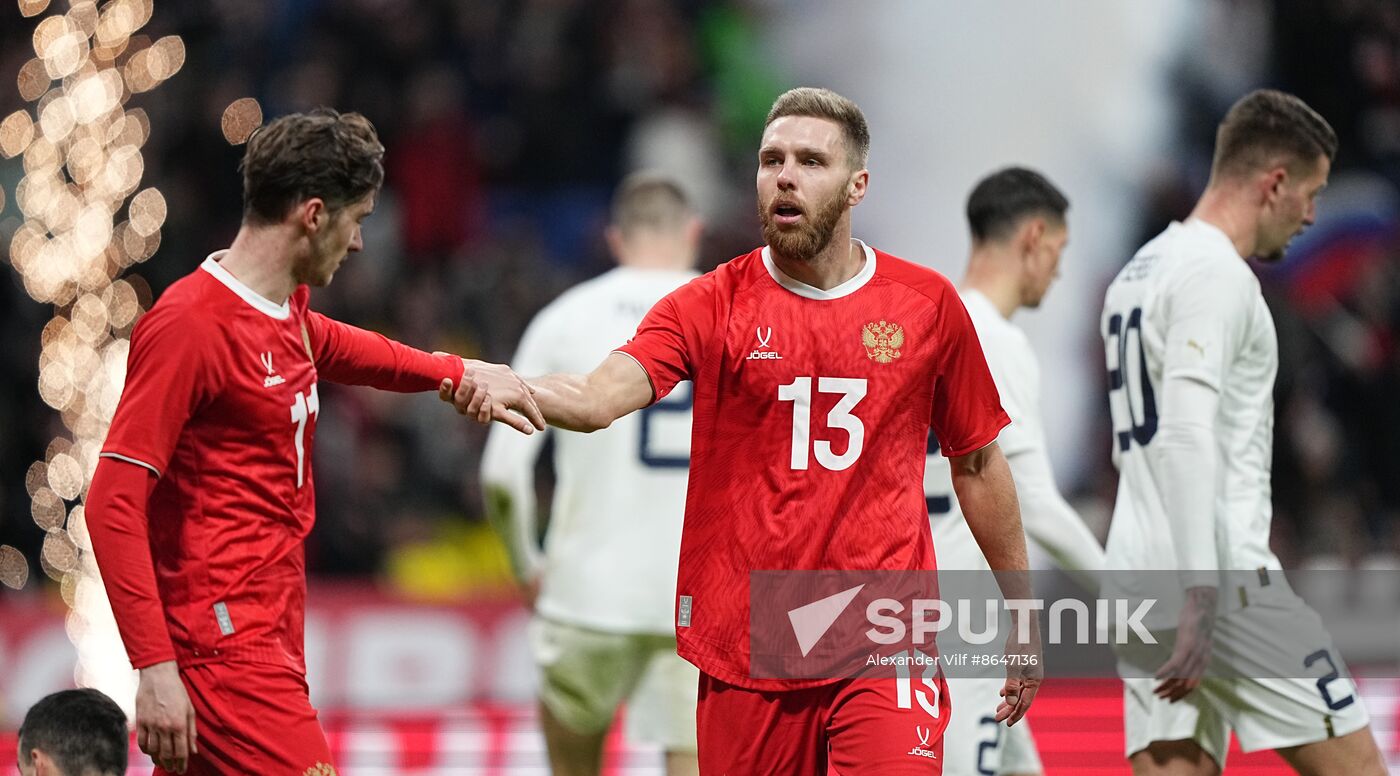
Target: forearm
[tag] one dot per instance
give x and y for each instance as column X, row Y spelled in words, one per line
column 1187, row 460
column 982, row 481
column 591, row 402
column 116, row 519
column 568, row 402
column 353, row 356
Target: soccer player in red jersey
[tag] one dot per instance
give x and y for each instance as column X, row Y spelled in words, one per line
column 203, row 494
column 819, row 366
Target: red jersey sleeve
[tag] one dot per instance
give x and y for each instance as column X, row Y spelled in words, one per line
column 669, row 342
column 118, row 525
column 967, row 412
column 171, row 370
column 353, row 356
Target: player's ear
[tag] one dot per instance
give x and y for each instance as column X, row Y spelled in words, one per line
column 1273, row 182
column 1032, row 232
column 313, row 214
column 856, row 187
column 613, row 236
column 694, row 229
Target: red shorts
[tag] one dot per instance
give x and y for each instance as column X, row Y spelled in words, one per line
column 855, row 726
column 254, row 718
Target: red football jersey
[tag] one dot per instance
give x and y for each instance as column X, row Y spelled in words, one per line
column 221, row 404
column 811, row 421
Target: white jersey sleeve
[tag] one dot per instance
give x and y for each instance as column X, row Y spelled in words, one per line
column 508, row 461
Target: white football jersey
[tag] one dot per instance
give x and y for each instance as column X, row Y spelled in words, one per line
column 614, row 537
column 1047, row 519
column 1188, row 305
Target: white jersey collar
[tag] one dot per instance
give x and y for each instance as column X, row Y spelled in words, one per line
column 812, row 292
column 258, row 302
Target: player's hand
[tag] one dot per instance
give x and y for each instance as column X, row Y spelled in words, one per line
column 165, row 717
column 1195, row 627
column 490, row 392
column 1025, row 670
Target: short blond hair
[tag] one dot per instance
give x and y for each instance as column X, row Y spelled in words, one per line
column 826, row 104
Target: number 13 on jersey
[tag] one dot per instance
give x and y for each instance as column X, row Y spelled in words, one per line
column 799, row 392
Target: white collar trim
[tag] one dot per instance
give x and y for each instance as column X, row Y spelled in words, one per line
column 258, row 302
column 812, row 292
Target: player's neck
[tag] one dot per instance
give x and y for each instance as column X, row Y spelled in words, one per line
column 261, row 259
column 990, row 274
column 841, row 260
column 1229, row 211
column 656, row 254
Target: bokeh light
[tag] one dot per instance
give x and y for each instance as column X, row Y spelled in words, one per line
column 33, row 80
column 16, row 133
column 14, row 571
column 81, row 155
column 29, row 8
column 240, row 118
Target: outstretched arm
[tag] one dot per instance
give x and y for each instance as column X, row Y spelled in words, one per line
column 353, row 356
column 575, row 402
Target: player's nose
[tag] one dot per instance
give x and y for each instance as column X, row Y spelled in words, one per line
column 787, row 177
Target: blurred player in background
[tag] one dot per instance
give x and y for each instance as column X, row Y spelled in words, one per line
column 204, row 491
column 1192, row 356
column 1017, row 220
column 819, row 366
column 74, row 733
column 603, row 630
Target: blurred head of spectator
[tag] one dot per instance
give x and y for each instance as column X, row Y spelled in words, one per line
column 73, row 733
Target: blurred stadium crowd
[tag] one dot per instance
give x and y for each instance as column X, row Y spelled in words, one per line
column 507, row 124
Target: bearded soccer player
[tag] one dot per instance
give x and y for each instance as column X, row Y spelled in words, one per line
column 204, row 490
column 1192, row 354
column 819, row 365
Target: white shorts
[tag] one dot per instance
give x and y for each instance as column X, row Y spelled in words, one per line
column 1306, row 694
column 975, row 744
column 585, row 675
column 1018, row 752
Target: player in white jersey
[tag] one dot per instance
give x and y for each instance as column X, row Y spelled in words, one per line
column 1192, row 355
column 603, row 629
column 1017, row 220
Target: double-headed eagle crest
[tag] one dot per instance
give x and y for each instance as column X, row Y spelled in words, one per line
column 320, row 769
column 882, row 341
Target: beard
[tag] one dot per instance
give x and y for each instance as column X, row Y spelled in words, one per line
column 810, row 236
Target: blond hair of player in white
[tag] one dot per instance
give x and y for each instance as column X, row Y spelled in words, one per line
column 1017, row 221
column 603, row 631
column 1192, row 356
